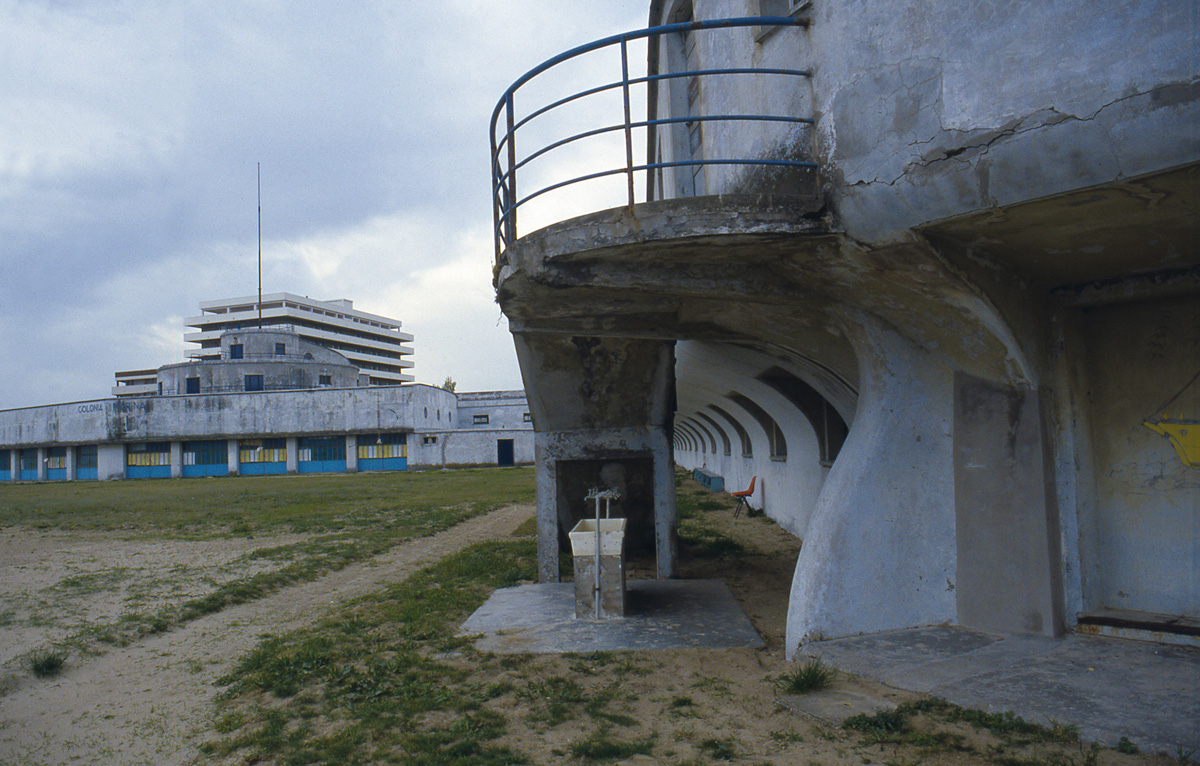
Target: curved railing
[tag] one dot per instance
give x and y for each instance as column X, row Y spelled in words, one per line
column 505, row 161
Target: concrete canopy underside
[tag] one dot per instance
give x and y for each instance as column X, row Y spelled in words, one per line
column 947, row 328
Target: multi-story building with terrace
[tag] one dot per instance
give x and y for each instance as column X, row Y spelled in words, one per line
column 372, row 343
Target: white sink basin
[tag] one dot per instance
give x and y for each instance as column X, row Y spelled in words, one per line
column 612, row 537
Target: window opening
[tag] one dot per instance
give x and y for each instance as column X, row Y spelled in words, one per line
column 827, row 423
column 743, row 437
column 725, row 446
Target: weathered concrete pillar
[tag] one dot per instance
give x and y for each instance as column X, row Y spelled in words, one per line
column 233, row 457
column 351, row 454
column 176, row 460
column 293, row 454
column 70, row 464
column 41, row 463
column 14, row 463
column 1006, row 520
column 601, row 406
column 879, row 550
column 110, row 461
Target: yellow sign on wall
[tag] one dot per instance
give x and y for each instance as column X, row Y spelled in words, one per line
column 1184, row 437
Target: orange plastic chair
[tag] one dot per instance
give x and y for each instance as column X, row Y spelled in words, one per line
column 741, row 496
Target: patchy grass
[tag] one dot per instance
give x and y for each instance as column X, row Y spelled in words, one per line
column 932, row 725
column 344, row 519
column 376, row 677
column 698, row 536
column 244, row 505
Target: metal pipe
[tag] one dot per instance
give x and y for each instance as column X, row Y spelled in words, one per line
column 596, row 579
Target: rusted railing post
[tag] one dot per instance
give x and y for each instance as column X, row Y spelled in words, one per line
column 628, row 118
column 510, row 212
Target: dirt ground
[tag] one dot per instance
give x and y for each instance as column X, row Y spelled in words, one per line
column 147, row 703
column 150, row 702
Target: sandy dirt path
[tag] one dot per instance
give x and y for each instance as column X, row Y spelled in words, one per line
column 146, row 703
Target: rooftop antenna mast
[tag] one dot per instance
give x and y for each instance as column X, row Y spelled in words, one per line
column 260, row 245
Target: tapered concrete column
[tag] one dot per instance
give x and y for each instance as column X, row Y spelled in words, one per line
column 232, row 461
column 879, row 552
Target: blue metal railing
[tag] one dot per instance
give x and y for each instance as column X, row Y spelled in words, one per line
column 505, row 162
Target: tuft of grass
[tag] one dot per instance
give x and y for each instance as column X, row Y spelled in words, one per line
column 720, row 749
column 812, row 676
column 1125, row 745
column 47, row 663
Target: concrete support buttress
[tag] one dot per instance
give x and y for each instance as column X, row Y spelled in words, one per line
column 879, row 550
column 70, row 465
column 42, row 460
column 232, row 457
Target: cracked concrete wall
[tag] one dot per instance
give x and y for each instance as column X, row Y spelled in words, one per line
column 934, row 109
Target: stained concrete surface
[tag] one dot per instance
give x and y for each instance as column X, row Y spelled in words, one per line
column 834, row 706
column 1108, row 687
column 660, row 614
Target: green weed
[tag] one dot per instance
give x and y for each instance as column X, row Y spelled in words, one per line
column 47, row 663
column 720, row 749
column 811, row 676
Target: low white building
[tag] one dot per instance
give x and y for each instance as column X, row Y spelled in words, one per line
column 371, row 428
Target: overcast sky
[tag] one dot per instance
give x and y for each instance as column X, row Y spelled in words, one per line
column 129, row 136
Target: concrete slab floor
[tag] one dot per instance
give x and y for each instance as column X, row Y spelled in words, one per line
column 659, row 614
column 1108, row 687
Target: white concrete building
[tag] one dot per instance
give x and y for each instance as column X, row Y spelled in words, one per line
column 372, row 343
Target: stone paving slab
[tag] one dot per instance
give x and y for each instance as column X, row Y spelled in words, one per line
column 660, row 614
column 1108, row 687
column 834, row 706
